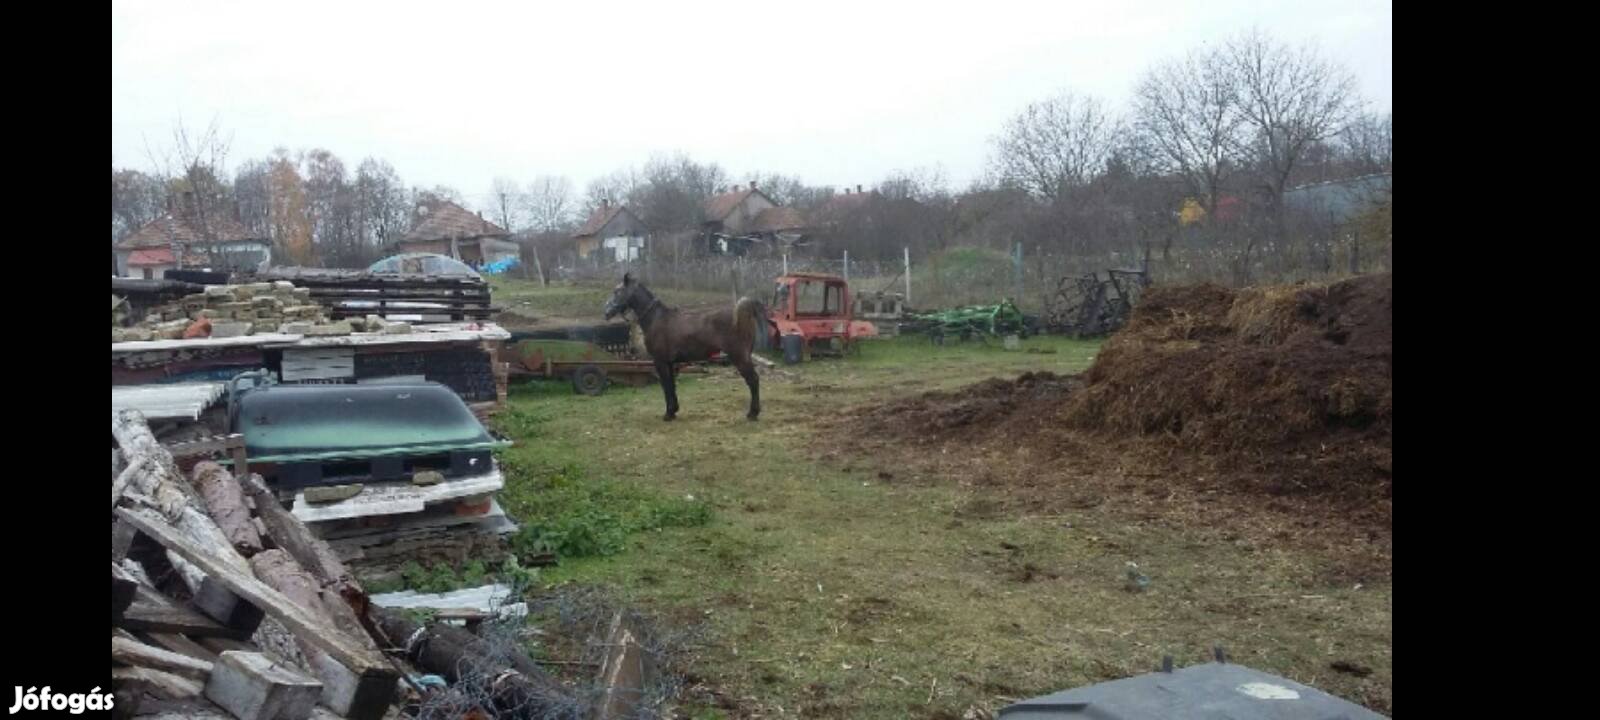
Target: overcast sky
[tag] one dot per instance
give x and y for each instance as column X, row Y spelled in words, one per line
column 458, row 93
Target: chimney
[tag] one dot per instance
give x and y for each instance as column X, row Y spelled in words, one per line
column 188, row 200
column 847, row 189
column 858, row 189
column 169, row 203
column 752, row 184
column 605, row 203
column 238, row 215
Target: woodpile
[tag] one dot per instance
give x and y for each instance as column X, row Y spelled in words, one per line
column 224, row 603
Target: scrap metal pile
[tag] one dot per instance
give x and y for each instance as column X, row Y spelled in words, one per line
column 1092, row 305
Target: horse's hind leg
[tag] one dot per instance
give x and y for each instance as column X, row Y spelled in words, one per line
column 747, row 369
column 669, row 388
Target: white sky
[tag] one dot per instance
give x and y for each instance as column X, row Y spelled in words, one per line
column 460, row 92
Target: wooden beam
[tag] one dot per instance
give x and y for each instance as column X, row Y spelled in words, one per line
column 132, row 652
column 160, row 684
column 123, row 589
column 303, row 624
column 252, row 687
column 152, row 613
column 182, row 645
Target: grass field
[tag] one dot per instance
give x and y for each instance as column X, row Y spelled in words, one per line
column 825, row 582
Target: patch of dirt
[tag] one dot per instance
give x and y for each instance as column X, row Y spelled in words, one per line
column 1279, row 396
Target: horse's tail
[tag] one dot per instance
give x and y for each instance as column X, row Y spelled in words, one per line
column 749, row 318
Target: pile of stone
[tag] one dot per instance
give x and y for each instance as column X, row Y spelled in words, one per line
column 235, row 310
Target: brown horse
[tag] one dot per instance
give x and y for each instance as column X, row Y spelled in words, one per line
column 673, row 336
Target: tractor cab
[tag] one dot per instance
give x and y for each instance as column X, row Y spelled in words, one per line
column 816, row 307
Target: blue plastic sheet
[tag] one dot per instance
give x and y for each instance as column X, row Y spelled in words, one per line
column 499, row 266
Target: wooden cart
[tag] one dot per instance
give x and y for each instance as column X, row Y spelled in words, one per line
column 589, row 368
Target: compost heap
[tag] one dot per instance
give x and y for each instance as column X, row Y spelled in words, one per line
column 1279, row 390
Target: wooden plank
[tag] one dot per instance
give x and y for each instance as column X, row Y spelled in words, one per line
column 221, row 645
column 161, row 684
column 223, row 443
column 123, row 589
column 150, row 612
column 182, row 645
column 133, row 652
column 241, row 341
column 397, row 498
column 297, row 620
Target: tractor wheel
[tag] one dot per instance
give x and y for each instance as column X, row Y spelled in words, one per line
column 589, row 380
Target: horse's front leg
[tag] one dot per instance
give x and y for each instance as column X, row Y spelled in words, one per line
column 669, row 388
column 747, row 369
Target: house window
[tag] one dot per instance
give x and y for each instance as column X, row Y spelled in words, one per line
column 149, row 274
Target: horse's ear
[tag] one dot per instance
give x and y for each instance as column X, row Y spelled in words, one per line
column 627, row 278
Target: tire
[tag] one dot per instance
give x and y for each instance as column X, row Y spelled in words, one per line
column 589, row 380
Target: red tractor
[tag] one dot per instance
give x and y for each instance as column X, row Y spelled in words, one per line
column 816, row 308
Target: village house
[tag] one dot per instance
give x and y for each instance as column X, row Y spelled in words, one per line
column 184, row 236
column 735, row 221
column 613, row 230
column 446, row 228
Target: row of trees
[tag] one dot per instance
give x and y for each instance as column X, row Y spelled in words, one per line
column 1228, row 129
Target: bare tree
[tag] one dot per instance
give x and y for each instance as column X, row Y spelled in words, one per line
column 1367, row 144
column 1291, row 98
column 193, row 168
column 508, row 198
column 1186, row 116
column 622, row 186
column 1056, row 144
column 549, row 203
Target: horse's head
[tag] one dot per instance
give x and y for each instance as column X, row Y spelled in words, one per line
column 626, row 296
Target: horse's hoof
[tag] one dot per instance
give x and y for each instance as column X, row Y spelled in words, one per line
column 752, row 417
column 668, row 417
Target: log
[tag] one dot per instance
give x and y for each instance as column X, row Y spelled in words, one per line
column 133, row 435
column 224, row 501
column 132, row 652
column 520, row 691
column 343, row 690
column 311, row 552
column 153, row 480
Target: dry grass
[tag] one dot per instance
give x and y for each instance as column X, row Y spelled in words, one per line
column 881, row 580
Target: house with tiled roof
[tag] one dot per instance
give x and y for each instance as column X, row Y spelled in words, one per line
column 734, row 211
column 448, row 229
column 742, row 218
column 614, row 231
column 214, row 239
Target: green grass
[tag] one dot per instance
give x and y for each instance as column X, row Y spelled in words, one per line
column 853, row 587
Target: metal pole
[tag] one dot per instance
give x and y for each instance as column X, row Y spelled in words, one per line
column 908, row 276
column 786, row 263
column 847, row 267
column 1017, row 271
